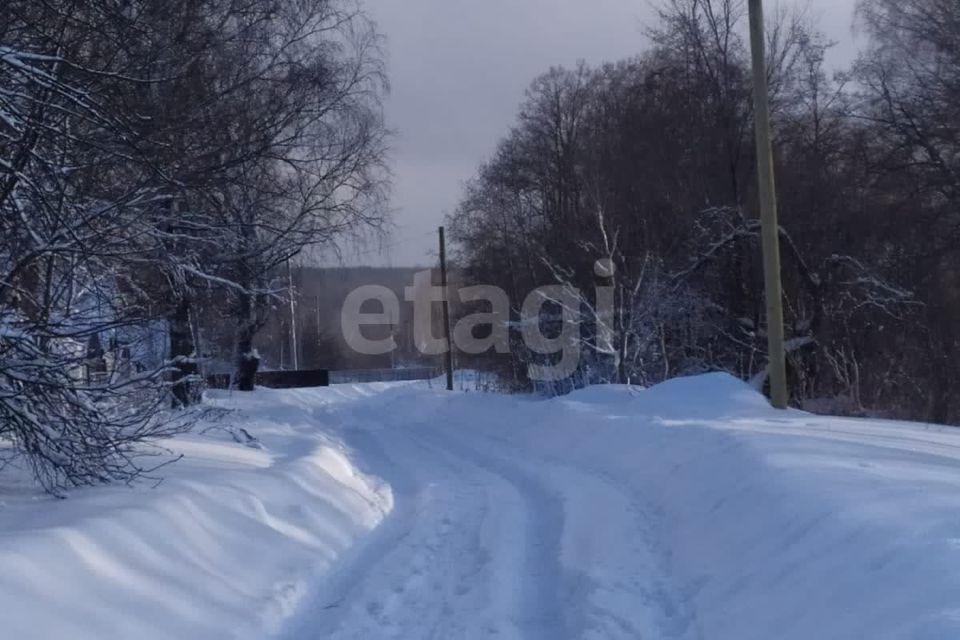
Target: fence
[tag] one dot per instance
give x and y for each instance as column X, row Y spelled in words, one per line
column 384, row 375
column 324, row 378
column 277, row 379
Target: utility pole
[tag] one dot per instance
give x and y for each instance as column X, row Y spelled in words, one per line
column 446, row 310
column 291, row 293
column 770, row 229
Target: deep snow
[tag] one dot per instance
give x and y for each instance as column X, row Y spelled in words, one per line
column 690, row 510
column 225, row 547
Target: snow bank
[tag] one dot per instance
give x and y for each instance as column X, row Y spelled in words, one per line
column 714, row 395
column 225, row 547
column 772, row 524
column 690, row 510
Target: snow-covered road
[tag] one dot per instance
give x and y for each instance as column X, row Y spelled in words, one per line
column 474, row 549
column 689, row 511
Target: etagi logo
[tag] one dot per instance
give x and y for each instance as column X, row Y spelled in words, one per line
column 565, row 309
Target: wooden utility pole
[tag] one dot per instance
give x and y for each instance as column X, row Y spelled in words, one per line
column 291, row 293
column 446, row 310
column 770, row 229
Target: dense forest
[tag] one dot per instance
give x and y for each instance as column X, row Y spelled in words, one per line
column 648, row 165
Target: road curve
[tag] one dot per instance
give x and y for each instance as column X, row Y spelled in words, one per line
column 488, row 541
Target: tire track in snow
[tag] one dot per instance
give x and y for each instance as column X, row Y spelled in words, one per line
column 544, row 609
column 403, row 582
column 475, row 548
column 627, row 593
column 438, row 567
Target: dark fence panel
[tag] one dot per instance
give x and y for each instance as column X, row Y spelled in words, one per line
column 278, row 379
column 324, row 378
column 294, row 379
column 384, row 375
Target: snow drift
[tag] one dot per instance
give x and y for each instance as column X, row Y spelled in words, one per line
column 690, row 510
column 225, row 547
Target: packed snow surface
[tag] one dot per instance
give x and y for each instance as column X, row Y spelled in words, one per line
column 690, row 510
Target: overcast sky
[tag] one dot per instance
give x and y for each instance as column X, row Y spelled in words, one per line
column 458, row 70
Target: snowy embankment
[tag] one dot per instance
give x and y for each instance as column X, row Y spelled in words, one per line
column 225, row 547
column 690, row 510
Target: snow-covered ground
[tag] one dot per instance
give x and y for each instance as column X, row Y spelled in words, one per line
column 225, row 547
column 690, row 510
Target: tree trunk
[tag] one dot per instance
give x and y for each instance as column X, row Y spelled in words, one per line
column 248, row 361
column 186, row 391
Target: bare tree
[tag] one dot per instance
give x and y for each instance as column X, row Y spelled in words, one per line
column 149, row 154
column 70, row 204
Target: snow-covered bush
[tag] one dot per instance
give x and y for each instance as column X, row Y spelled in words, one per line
column 74, row 429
